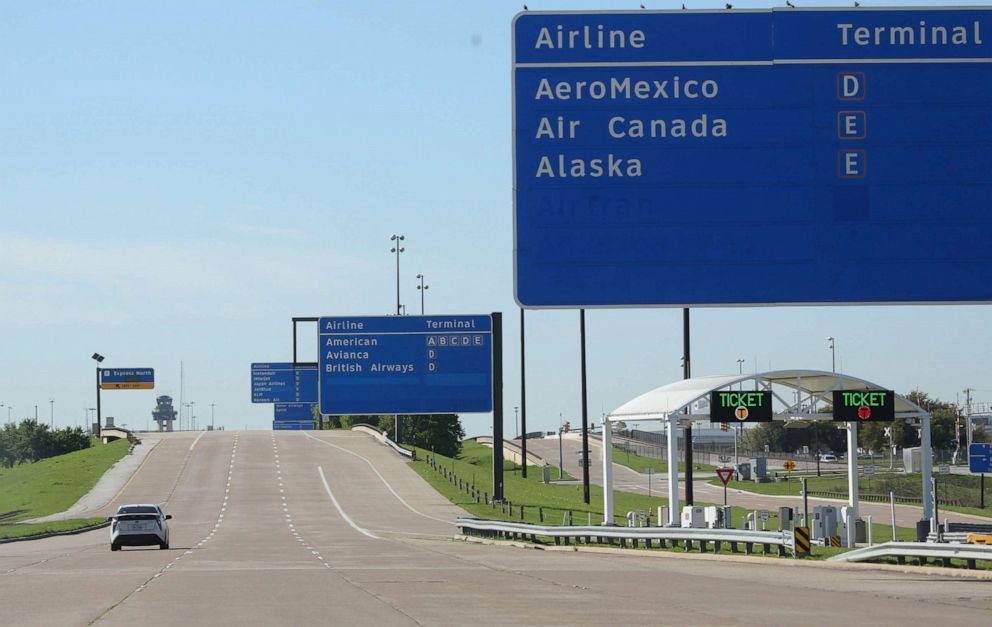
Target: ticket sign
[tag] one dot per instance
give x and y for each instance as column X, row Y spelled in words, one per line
column 127, row 378
column 736, row 406
column 839, row 154
column 406, row 364
column 864, row 405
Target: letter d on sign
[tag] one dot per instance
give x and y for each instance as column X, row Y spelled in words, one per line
column 851, row 86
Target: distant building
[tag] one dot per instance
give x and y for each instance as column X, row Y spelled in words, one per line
column 164, row 414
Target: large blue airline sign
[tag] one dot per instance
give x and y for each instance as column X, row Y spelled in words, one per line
column 782, row 156
column 283, row 383
column 405, row 364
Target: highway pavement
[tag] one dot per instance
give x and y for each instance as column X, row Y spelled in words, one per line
column 299, row 528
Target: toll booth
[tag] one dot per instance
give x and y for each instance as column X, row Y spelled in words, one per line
column 759, row 469
column 717, row 517
column 860, row 530
column 785, row 515
column 824, row 523
column 694, row 517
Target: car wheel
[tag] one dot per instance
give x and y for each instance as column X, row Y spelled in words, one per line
column 163, row 545
column 114, row 546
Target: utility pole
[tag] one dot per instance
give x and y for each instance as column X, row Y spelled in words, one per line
column 967, row 416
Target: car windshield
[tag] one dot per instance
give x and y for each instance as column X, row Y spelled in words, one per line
column 138, row 509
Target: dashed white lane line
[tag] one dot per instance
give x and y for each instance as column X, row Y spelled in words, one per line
column 220, row 519
column 383, row 479
column 289, row 519
column 337, row 506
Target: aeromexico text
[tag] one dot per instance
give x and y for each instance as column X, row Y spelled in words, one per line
column 620, row 127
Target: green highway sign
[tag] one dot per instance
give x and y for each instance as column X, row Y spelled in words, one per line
column 864, row 405
column 739, row 406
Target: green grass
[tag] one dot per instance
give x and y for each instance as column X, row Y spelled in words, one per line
column 52, row 485
column 638, row 463
column 24, row 530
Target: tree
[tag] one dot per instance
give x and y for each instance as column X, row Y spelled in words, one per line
column 441, row 433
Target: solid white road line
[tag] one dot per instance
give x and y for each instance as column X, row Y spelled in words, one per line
column 196, row 440
column 337, row 505
column 386, row 483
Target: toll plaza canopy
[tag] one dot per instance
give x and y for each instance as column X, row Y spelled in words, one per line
column 810, row 391
column 798, row 397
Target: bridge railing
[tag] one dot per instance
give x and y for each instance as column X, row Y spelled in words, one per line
column 663, row 536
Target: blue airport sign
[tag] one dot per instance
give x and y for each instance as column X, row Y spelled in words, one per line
column 782, row 156
column 283, row 383
column 980, row 458
column 127, row 378
column 288, row 425
column 293, row 412
column 405, row 364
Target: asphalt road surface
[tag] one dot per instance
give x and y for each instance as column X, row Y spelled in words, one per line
column 627, row 480
column 294, row 528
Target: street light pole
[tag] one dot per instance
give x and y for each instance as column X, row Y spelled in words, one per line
column 516, row 419
column 737, row 431
column 397, row 249
column 98, row 358
column 52, row 416
column 211, row 416
column 423, row 288
column 833, row 360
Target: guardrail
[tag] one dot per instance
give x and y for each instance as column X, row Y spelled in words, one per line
column 664, row 536
column 923, row 551
column 380, row 435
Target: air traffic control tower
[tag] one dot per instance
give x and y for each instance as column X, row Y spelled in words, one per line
column 164, row 414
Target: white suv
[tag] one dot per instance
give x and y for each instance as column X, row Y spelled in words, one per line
column 139, row 524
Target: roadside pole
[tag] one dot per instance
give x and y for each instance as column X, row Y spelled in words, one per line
column 498, row 406
column 805, row 503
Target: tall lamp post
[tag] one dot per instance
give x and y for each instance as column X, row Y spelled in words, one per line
column 423, row 288
column 397, row 249
column 98, row 358
column 211, row 416
column 833, row 359
column 516, row 419
column 191, row 422
column 52, row 415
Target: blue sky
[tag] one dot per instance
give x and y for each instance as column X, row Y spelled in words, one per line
column 178, row 180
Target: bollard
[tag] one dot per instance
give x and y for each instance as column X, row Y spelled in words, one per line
column 540, row 514
column 521, row 512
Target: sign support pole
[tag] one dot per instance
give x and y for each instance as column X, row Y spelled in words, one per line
column 673, row 469
column 523, row 397
column 608, row 473
column 497, row 406
column 687, row 432
column 586, row 460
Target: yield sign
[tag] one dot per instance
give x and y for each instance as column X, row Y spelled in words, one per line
column 725, row 474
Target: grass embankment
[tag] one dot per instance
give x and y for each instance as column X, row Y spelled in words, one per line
column 638, row 463
column 960, row 488
column 474, row 466
column 52, row 485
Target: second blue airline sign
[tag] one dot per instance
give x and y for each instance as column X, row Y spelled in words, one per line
column 405, row 365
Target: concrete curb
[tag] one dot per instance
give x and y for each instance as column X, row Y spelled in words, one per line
column 52, row 534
